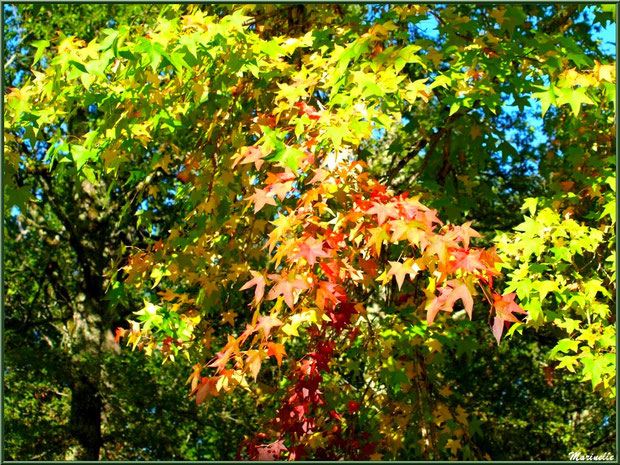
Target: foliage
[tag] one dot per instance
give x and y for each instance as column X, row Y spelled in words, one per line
column 563, row 257
column 295, row 195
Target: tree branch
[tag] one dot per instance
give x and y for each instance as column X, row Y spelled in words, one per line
column 432, row 142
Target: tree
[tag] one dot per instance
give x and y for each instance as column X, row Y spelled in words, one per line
column 63, row 236
column 275, row 247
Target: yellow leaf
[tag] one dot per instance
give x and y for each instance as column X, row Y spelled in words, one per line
column 453, row 445
column 229, row 317
column 434, row 345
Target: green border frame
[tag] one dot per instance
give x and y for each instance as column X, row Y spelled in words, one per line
column 2, row 90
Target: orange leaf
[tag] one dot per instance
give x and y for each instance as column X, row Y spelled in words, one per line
column 277, row 350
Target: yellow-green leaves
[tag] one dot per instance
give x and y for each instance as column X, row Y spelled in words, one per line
column 40, row 45
column 562, row 273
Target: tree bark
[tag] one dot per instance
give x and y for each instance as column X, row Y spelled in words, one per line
column 85, row 420
column 86, row 401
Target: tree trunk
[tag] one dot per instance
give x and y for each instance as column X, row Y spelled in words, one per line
column 85, row 421
column 86, row 401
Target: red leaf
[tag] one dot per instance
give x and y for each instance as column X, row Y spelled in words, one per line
column 310, row 249
column 448, row 295
column 328, row 292
column 207, row 387
column 183, row 176
column 249, row 329
column 120, row 332
column 353, row 406
column 498, row 328
column 331, row 269
column 250, row 154
column 465, row 232
column 383, row 211
column 461, row 292
column 253, row 361
column 467, row 260
column 308, row 110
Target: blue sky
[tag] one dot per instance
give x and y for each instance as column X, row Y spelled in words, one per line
column 606, row 36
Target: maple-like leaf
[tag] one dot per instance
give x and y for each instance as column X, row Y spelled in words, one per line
column 330, row 268
column 194, row 378
column 251, row 154
column 383, row 211
column 334, row 240
column 220, row 360
column 412, row 230
column 207, row 387
column 262, row 197
column 281, row 189
column 232, row 346
column 429, row 218
column 465, row 233
column 498, row 328
column 328, row 292
column 437, row 304
column 400, row 270
column 308, row 110
column 184, row 175
column 249, row 330
column 259, row 281
column 254, row 360
column 254, row 155
column 320, row 175
column 448, row 295
column 377, row 237
column 489, row 257
column 266, row 323
column 369, row 266
column 229, row 317
column 285, row 287
column 310, row 249
column 277, row 350
column 270, row 451
column 120, row 332
column 282, row 176
column 461, row 292
column 467, row 260
column 505, row 307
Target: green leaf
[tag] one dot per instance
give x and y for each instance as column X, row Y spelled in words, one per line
column 81, row 155
column 574, row 97
column 609, row 210
column 593, row 368
column 40, row 45
column 371, row 89
column 564, row 346
column 272, row 49
column 568, row 362
column 291, row 157
column 546, row 97
column 336, row 134
column 530, row 205
column 78, row 65
column 441, row 80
